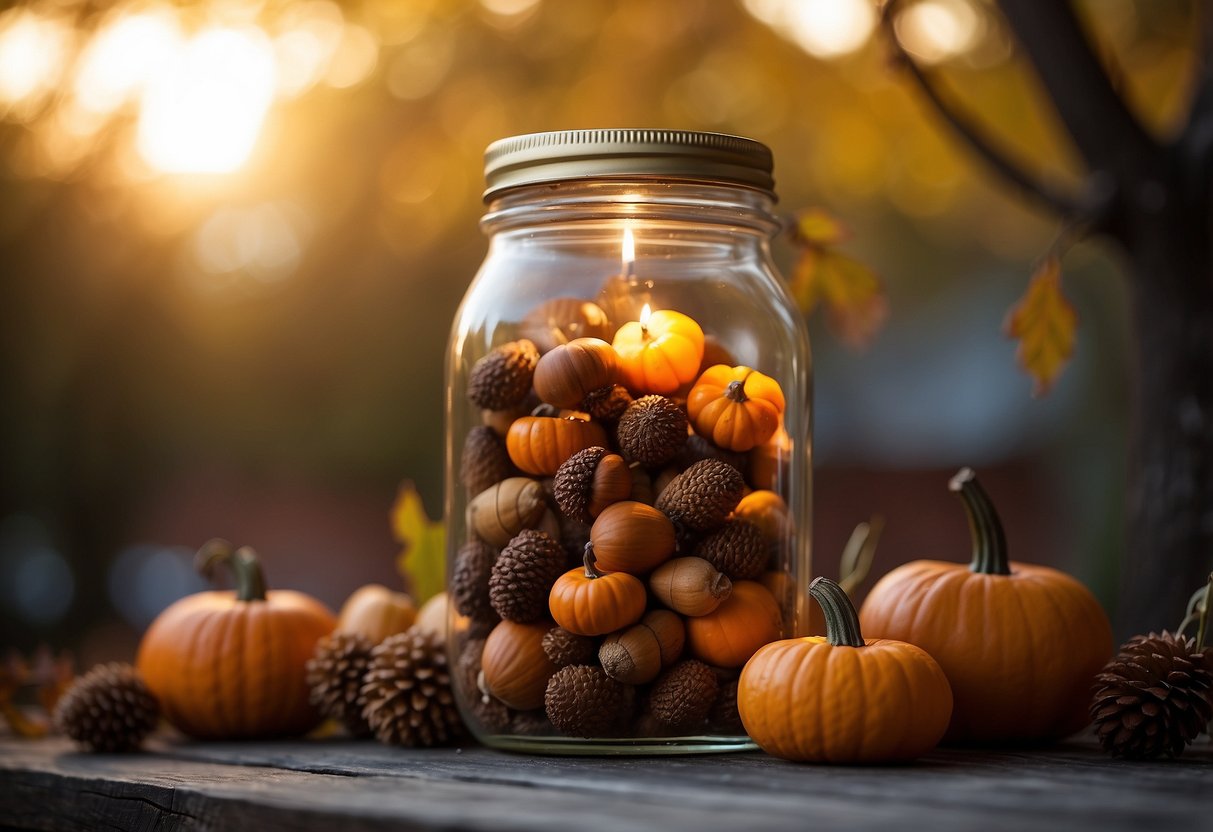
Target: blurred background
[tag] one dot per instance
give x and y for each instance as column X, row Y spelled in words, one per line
column 233, row 235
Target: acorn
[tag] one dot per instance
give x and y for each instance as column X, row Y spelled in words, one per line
column 504, row 509
column 642, row 485
column 702, row 496
column 737, row 549
column 503, row 377
column 691, row 586
column 584, row 702
column 469, row 679
column 515, row 670
column 523, row 575
column 561, row 320
column 565, row 648
column 636, row 655
column 652, row 431
column 566, row 374
column 607, row 404
column 589, row 481
column 631, row 537
column 469, row 589
column 484, row 460
column 683, row 696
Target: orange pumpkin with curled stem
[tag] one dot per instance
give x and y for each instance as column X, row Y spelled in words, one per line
column 659, row 353
column 592, row 603
column 1019, row 643
column 233, row 664
column 737, row 408
column 842, row 698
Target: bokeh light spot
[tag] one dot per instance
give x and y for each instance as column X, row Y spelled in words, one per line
column 33, row 50
column 123, row 57
column 145, row 579
column 36, row 582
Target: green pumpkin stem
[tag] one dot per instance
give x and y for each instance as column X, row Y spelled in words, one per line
column 989, row 541
column 842, row 622
column 250, row 580
column 589, row 559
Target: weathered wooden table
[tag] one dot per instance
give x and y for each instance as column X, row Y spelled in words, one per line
column 348, row 785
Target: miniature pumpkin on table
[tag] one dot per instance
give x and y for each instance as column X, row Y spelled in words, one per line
column 842, row 698
column 1020, row 643
column 588, row 602
column 737, row 408
column 233, row 664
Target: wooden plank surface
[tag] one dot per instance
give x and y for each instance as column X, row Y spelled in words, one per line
column 330, row 784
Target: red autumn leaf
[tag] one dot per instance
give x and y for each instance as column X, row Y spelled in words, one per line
column 1045, row 323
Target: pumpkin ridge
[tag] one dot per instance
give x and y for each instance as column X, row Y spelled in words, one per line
column 907, row 693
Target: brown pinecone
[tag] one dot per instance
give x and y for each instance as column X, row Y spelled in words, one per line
column 484, row 461
column 1154, row 697
column 583, row 701
column 335, row 674
column 503, row 377
column 737, row 549
column 523, row 576
column 108, row 709
column 469, row 588
column 698, row 448
column 407, row 691
column 723, row 716
column 702, row 496
column 652, row 430
column 565, row 648
column 683, row 696
column 493, row 716
column 607, row 404
column 573, row 485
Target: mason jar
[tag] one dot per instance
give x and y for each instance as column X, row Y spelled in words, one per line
column 628, row 459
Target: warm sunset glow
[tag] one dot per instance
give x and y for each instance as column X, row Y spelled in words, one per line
column 123, row 57
column 824, row 28
column 32, row 53
column 204, row 113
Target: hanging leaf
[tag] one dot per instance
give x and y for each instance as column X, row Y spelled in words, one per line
column 422, row 559
column 1045, row 323
column 853, row 295
column 815, row 227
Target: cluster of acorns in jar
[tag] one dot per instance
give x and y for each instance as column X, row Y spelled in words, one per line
column 624, row 540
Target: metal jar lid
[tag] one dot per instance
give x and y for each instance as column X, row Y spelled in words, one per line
column 681, row 155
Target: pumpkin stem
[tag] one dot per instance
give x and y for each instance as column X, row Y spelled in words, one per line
column 736, row 392
column 250, row 580
column 842, row 622
column 589, row 559
column 1202, row 628
column 989, row 541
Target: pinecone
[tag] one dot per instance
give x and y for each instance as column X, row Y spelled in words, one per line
column 108, row 709
column 737, row 549
column 584, row 702
column 492, row 714
column 407, row 692
column 334, row 675
column 1154, row 697
column 702, row 496
column 565, row 648
column 523, row 576
column 683, row 696
column 723, row 716
column 573, row 486
column 484, row 460
column 469, row 588
column 698, row 448
column 652, row 431
column 503, row 377
column 607, row 404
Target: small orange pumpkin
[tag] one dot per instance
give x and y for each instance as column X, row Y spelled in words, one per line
column 592, row 603
column 659, row 353
column 515, row 667
column 843, row 698
column 736, row 407
column 538, row 444
column 565, row 375
column 233, row 664
column 768, row 511
column 376, row 612
column 728, row 636
column 631, row 537
column 1019, row 643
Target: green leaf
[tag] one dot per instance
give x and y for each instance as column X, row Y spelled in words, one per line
column 422, row 559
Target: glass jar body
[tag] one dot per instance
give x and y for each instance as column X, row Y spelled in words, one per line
column 585, row 259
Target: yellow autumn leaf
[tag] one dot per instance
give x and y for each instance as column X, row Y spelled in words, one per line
column 1045, row 323
column 422, row 558
column 815, row 227
column 852, row 294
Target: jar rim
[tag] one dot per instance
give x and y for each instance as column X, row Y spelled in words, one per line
column 623, row 153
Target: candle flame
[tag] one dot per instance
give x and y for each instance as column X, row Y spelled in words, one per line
column 629, row 250
column 645, row 313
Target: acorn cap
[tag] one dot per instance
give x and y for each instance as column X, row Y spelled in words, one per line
column 523, row 576
column 573, row 485
column 607, row 404
column 335, row 674
column 583, row 701
column 108, row 709
column 469, row 589
column 652, row 430
column 737, row 549
column 683, row 696
column 492, row 715
column 484, row 460
column 702, row 496
column 407, row 691
column 503, row 377
column 565, row 648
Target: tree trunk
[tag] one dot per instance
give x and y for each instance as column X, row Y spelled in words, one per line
column 1170, row 493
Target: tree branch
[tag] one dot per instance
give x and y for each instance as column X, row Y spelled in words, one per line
column 1106, row 134
column 967, row 128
